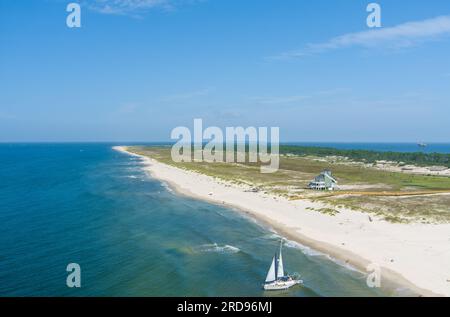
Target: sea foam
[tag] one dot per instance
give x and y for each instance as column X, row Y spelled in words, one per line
column 214, row 247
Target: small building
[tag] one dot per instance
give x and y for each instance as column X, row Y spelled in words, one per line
column 324, row 181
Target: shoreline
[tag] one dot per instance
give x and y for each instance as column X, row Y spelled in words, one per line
column 322, row 232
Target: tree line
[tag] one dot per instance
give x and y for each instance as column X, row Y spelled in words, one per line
column 415, row 158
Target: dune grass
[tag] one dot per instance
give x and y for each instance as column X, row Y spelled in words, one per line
column 375, row 191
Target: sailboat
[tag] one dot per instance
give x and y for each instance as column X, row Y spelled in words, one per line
column 276, row 278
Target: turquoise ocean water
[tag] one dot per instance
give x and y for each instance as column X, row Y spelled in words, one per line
column 132, row 236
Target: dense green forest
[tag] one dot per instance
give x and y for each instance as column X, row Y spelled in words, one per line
column 416, row 158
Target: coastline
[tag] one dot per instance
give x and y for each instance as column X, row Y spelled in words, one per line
column 405, row 259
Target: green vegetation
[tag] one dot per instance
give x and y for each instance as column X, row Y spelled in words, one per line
column 424, row 209
column 395, row 196
column 416, row 158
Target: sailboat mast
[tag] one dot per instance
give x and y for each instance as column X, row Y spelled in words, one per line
column 280, row 268
column 276, row 266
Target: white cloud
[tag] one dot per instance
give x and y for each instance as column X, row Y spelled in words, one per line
column 400, row 36
column 133, row 7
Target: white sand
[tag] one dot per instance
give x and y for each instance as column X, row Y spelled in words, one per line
column 412, row 255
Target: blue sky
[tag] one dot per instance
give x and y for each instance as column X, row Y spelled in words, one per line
column 137, row 69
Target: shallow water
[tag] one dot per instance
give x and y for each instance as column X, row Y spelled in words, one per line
column 91, row 205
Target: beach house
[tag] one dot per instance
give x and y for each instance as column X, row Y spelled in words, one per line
column 324, row 181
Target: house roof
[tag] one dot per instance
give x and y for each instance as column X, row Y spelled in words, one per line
column 325, row 174
column 330, row 177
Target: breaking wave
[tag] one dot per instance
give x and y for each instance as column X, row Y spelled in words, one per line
column 218, row 248
column 166, row 187
column 295, row 245
column 310, row 251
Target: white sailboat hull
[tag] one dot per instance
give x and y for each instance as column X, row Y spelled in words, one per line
column 280, row 285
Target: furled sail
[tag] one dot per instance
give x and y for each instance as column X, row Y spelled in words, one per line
column 271, row 275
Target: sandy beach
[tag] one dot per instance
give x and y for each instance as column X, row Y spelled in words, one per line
column 416, row 256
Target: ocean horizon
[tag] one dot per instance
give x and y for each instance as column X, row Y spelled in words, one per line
column 406, row 147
